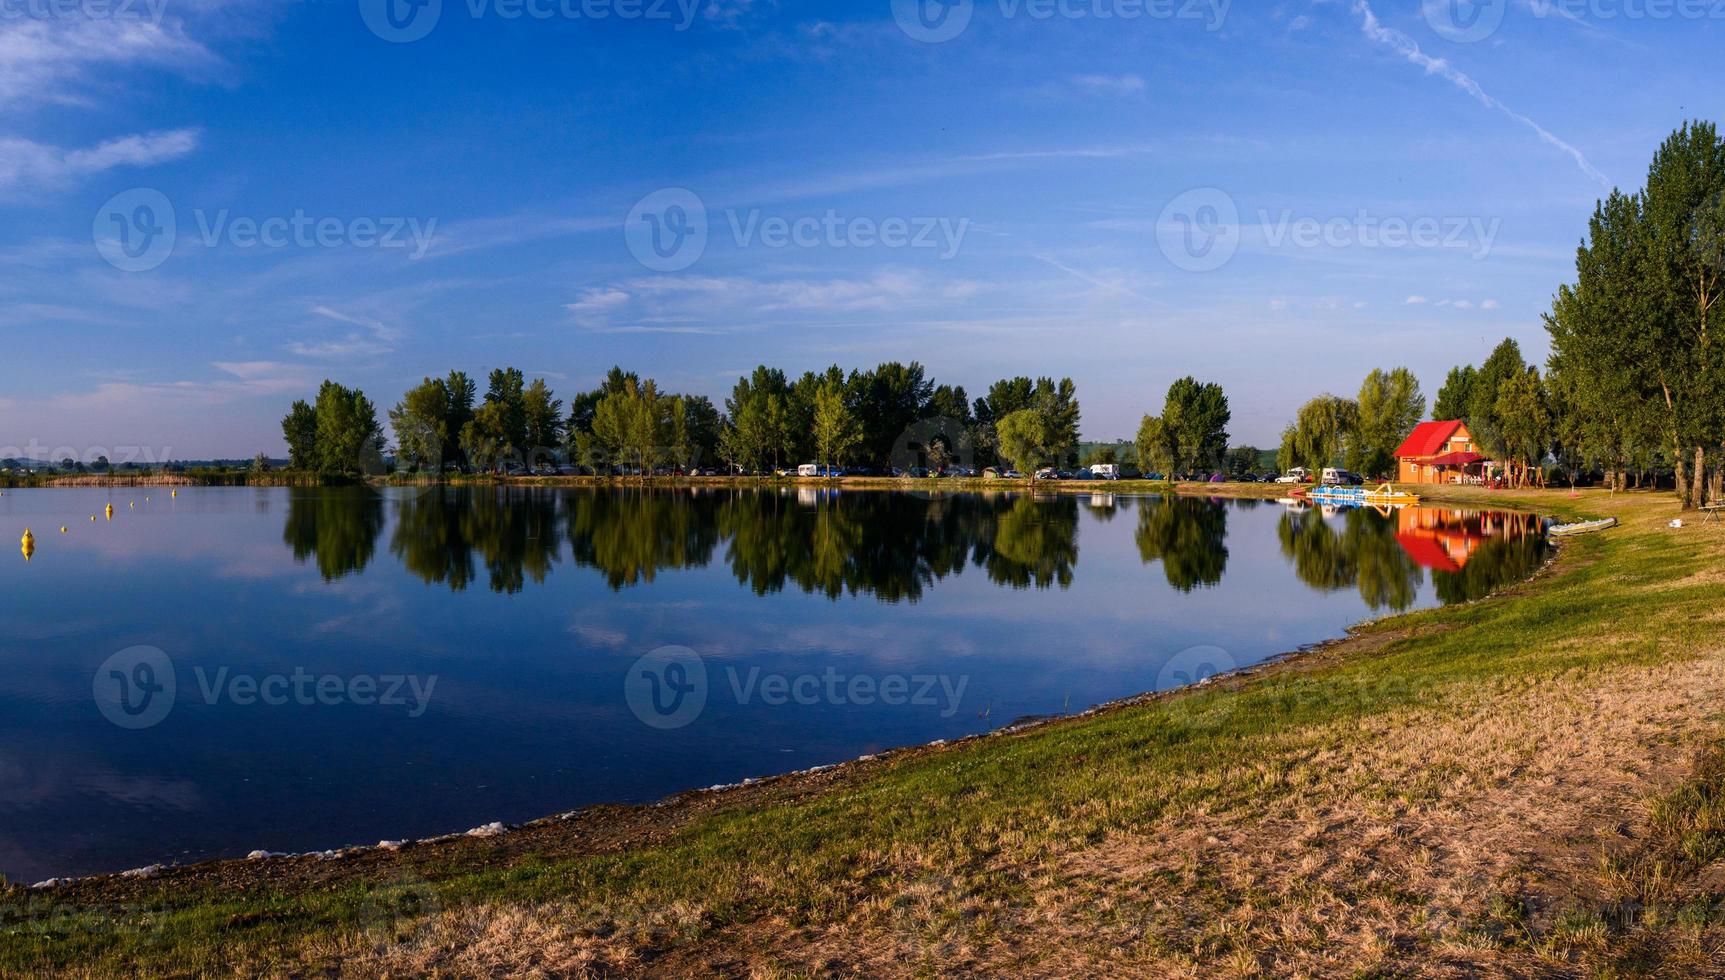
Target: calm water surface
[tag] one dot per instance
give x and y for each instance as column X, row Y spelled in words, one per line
column 504, row 628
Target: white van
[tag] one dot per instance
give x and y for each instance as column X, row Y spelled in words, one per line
column 809, row 469
column 1105, row 471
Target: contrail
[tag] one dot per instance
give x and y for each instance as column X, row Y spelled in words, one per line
column 1406, row 47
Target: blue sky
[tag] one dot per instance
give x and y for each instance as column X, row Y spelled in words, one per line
column 1274, row 196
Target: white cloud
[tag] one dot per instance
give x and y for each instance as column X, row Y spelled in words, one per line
column 686, row 304
column 25, row 164
column 1118, row 85
column 379, row 338
column 55, row 60
column 1417, row 301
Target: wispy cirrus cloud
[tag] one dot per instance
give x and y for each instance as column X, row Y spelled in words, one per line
column 27, row 165
column 1400, row 43
column 377, row 339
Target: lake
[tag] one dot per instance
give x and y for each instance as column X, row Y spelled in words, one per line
column 232, row 669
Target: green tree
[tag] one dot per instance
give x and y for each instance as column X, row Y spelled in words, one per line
column 1523, row 423
column 299, row 428
column 1456, row 394
column 1196, row 416
column 460, row 392
column 836, row 432
column 1242, row 460
column 349, row 438
column 542, row 417
column 1390, row 405
column 1156, row 449
column 1322, row 430
column 1024, row 439
column 420, row 423
column 1504, row 363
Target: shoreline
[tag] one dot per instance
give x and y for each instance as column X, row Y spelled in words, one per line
column 717, row 794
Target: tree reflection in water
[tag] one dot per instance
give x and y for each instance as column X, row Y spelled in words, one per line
column 1385, row 553
column 1188, row 535
column 339, row 527
column 891, row 546
column 512, row 533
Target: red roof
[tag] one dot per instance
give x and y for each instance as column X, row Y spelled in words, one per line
column 1427, row 552
column 1427, row 439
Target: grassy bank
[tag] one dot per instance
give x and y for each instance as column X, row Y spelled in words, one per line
column 1529, row 784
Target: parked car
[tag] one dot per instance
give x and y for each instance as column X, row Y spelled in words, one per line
column 1298, row 474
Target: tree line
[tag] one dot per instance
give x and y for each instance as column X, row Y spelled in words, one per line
column 1637, row 370
column 876, row 418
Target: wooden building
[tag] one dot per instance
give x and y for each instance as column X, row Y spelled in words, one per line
column 1439, row 452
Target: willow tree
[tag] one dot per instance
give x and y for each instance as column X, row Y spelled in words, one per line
column 1323, row 430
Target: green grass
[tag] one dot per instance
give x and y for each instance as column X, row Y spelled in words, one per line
column 985, row 825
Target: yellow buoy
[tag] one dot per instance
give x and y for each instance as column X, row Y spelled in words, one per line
column 62, row 529
column 133, row 503
column 173, row 493
column 110, row 512
column 28, row 538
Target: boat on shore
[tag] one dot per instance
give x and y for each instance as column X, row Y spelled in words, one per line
column 1582, row 527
